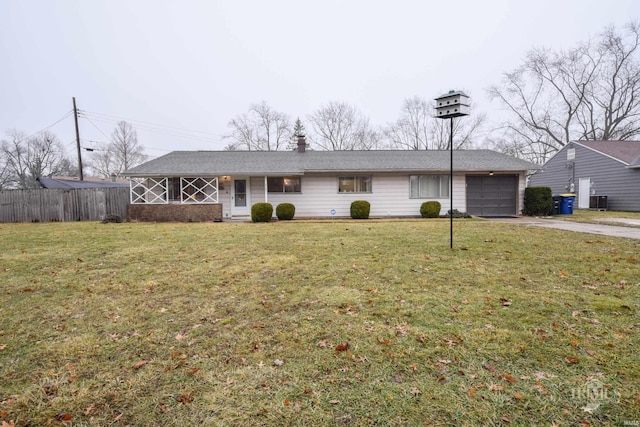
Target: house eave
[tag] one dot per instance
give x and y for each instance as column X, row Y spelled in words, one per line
column 209, row 174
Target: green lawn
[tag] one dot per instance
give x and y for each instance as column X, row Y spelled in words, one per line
column 317, row 323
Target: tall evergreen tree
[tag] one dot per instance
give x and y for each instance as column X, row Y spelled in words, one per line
column 298, row 130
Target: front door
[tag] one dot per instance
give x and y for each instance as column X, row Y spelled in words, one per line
column 240, row 203
column 584, row 191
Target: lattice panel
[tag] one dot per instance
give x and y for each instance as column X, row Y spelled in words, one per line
column 199, row 190
column 149, row 190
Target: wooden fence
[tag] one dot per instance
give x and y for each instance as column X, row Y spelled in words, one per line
column 43, row 205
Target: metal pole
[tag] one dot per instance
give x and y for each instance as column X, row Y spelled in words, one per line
column 451, row 186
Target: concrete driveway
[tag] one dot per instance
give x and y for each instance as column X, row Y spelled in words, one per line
column 602, row 229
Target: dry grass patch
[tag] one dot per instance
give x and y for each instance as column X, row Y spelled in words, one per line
column 316, row 323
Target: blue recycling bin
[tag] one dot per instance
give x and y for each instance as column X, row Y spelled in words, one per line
column 566, row 204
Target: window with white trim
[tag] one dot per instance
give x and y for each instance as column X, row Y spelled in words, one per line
column 429, row 186
column 354, row 184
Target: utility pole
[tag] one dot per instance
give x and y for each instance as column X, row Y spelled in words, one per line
column 75, row 116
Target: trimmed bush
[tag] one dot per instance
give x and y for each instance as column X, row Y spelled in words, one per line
column 457, row 214
column 430, row 209
column 360, row 209
column 285, row 211
column 261, row 212
column 538, row 201
column 112, row 218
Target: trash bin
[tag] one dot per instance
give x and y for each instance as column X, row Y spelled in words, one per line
column 566, row 204
column 555, row 210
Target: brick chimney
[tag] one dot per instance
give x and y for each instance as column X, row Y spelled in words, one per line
column 302, row 144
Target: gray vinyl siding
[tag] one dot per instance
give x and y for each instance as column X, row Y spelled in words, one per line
column 609, row 177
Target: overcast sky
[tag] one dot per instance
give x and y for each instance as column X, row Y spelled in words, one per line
column 191, row 66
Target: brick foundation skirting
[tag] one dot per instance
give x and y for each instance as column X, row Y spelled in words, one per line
column 174, row 212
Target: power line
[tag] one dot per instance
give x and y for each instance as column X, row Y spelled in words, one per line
column 69, row 113
column 155, row 128
column 150, row 124
column 95, row 126
column 105, row 135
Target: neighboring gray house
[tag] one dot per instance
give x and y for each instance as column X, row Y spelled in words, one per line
column 594, row 170
column 324, row 183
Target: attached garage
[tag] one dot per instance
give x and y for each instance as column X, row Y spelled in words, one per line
column 492, row 195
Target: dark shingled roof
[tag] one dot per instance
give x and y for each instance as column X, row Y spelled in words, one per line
column 71, row 183
column 258, row 163
column 626, row 151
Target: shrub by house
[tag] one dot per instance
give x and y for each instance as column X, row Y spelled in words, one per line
column 261, row 212
column 538, row 201
column 285, row 211
column 430, row 209
column 360, row 209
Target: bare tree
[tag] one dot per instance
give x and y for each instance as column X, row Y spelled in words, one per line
column 103, row 161
column 612, row 102
column 589, row 92
column 417, row 129
column 411, row 131
column 524, row 144
column 5, row 173
column 122, row 153
column 340, row 126
column 260, row 129
column 26, row 158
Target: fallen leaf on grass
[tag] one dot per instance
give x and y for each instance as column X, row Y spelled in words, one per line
column 278, row 362
column 495, row 387
column 415, row 391
column 342, row 347
column 489, row 368
column 508, row 378
column 571, row 360
column 140, row 364
column 322, row 344
column 185, row 398
column 474, row 389
column 453, row 340
column 334, row 401
column 64, row 416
